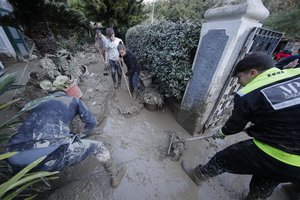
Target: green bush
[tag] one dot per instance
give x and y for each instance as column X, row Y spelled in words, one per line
column 166, row 49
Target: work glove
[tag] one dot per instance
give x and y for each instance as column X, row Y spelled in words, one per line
column 218, row 134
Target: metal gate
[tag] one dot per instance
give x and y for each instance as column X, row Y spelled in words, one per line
column 259, row 39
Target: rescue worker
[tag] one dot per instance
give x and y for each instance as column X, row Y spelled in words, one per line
column 133, row 69
column 46, row 132
column 270, row 100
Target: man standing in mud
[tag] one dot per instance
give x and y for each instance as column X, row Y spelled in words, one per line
column 113, row 56
column 46, row 132
column 270, row 100
column 133, row 69
column 101, row 45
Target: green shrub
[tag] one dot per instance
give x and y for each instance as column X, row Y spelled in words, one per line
column 166, row 49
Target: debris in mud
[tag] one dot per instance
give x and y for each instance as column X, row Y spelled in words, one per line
column 152, row 97
column 130, row 111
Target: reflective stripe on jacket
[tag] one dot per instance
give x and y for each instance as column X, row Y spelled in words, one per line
column 271, row 101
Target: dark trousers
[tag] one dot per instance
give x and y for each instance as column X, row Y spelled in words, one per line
column 134, row 82
column 246, row 158
column 115, row 69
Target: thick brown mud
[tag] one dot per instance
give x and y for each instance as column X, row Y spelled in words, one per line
column 140, row 138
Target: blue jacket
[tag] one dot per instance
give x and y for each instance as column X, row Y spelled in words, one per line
column 48, row 123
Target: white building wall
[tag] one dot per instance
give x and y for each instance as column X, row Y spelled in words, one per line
column 5, row 46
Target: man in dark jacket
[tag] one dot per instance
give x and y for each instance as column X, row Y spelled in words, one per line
column 270, row 100
column 289, row 62
column 133, row 68
column 46, row 132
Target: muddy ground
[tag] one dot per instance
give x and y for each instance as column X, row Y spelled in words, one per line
column 139, row 138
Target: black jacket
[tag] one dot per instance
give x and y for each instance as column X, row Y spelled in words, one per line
column 271, row 102
column 131, row 62
column 287, row 60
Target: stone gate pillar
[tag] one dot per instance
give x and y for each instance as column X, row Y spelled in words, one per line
column 224, row 31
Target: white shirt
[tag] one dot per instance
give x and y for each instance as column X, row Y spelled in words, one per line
column 113, row 53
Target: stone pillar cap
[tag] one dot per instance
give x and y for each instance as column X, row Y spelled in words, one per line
column 252, row 9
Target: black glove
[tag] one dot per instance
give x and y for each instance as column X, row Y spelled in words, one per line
column 127, row 74
column 218, row 134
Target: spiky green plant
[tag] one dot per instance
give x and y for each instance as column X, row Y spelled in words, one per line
column 23, row 180
column 7, row 82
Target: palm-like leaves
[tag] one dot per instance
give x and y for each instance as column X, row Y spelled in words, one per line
column 7, row 83
column 22, row 180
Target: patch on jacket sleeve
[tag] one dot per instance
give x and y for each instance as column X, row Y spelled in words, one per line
column 284, row 94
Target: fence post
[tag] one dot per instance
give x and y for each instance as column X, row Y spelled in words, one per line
column 223, row 34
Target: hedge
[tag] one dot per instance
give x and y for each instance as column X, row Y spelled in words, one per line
column 166, row 49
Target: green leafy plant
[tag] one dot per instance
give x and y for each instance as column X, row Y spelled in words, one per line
column 176, row 10
column 166, row 49
column 23, row 180
column 7, row 82
column 285, row 21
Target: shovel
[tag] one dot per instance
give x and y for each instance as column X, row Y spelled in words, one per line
column 172, row 142
column 125, row 78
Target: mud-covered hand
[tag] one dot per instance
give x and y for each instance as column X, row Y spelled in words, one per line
column 218, row 134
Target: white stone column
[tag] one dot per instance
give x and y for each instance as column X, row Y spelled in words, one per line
column 5, row 46
column 224, row 31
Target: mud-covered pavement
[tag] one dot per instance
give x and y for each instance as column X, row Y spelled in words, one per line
column 140, row 140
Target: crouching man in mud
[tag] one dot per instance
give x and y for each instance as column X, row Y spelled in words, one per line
column 270, row 100
column 46, row 132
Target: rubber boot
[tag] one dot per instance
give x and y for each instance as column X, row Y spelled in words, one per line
column 115, row 85
column 134, row 95
column 194, row 173
column 251, row 197
column 292, row 190
column 118, row 176
column 115, row 174
column 114, row 80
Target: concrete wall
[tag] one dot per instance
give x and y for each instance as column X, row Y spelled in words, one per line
column 223, row 34
column 6, row 49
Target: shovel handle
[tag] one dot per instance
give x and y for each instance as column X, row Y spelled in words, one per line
column 199, row 138
column 195, row 138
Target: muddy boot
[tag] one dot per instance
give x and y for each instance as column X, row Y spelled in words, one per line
column 118, row 176
column 119, row 84
column 115, row 85
column 115, row 174
column 195, row 174
column 134, row 95
column 292, row 190
column 251, row 197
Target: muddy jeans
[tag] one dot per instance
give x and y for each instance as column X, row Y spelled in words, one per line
column 77, row 151
column 246, row 158
column 134, row 82
column 115, row 69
